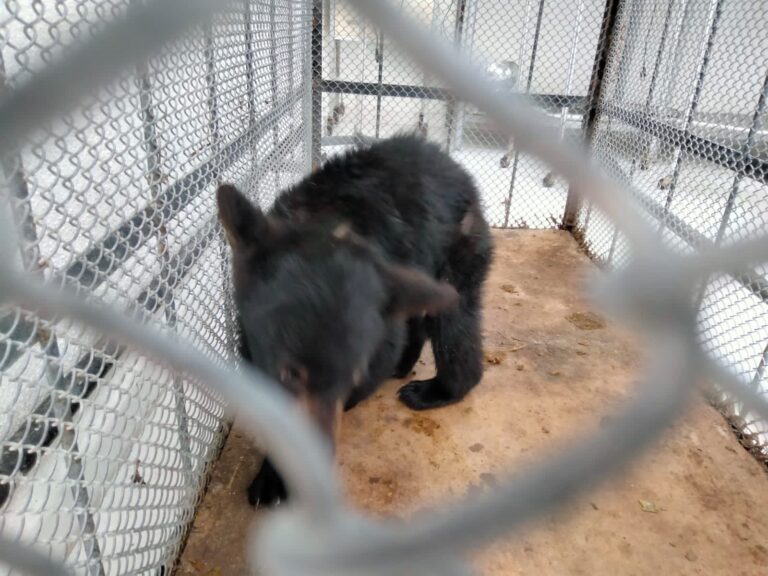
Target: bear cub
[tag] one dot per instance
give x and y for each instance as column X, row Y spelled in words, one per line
column 340, row 284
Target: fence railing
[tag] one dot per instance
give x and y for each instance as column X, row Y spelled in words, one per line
column 653, row 292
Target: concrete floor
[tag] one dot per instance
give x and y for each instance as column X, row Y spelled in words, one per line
column 554, row 370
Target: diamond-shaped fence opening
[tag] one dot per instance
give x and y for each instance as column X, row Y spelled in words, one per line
column 104, row 453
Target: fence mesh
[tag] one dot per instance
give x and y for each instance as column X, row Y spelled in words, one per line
column 371, row 89
column 105, row 453
column 682, row 120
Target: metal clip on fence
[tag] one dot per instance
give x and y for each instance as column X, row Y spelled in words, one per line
column 318, row 535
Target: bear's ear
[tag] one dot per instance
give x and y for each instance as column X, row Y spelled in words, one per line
column 244, row 224
column 413, row 293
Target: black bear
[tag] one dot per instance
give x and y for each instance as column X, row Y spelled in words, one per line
column 338, row 287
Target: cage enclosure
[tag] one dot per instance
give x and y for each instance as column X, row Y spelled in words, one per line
column 107, row 451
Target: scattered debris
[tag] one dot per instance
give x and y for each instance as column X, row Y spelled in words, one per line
column 549, row 180
column 137, row 478
column 387, row 489
column 545, row 429
column 691, row 556
column 421, row 424
column 648, row 506
column 666, row 182
column 554, row 373
column 520, row 367
column 594, row 506
column 477, row 447
column 586, row 320
column 494, row 358
column 509, row 288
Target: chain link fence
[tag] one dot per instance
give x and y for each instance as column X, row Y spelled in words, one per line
column 682, row 120
column 106, row 447
column 104, row 452
column 372, row 89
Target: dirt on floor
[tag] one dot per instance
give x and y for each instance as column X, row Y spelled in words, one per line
column 695, row 504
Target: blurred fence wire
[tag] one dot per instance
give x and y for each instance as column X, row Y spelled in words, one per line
column 75, row 318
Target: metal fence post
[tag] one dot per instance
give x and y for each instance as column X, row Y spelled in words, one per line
column 215, row 136
column 648, row 140
column 529, row 80
column 595, row 94
column 249, row 69
column 692, row 107
column 250, row 79
column 632, row 30
column 155, row 178
column 676, row 54
column 450, row 109
column 746, row 150
column 273, row 86
column 306, row 82
column 210, row 83
column 316, row 49
column 571, row 64
column 290, row 62
column 60, row 407
column 379, row 80
column 468, row 40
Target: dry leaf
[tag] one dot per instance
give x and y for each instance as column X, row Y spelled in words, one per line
column 648, row 506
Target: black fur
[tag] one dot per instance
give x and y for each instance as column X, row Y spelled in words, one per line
column 341, row 284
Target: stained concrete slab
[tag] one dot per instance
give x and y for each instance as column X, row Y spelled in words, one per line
column 695, row 504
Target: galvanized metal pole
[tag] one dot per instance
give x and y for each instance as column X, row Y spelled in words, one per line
column 215, row 137
column 155, row 178
column 604, row 45
column 746, row 150
column 450, row 109
column 273, row 88
column 379, row 80
column 317, row 79
column 571, row 65
column 716, row 11
column 531, row 66
column 646, row 151
column 468, row 42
